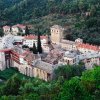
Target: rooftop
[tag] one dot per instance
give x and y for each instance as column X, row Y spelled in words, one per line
column 18, row 49
column 19, row 26
column 44, row 66
column 71, row 54
column 35, row 37
column 53, row 56
column 89, row 55
column 57, row 27
column 31, row 57
column 6, row 27
column 67, row 41
column 88, row 46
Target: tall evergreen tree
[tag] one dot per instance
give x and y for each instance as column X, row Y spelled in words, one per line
column 49, row 40
column 34, row 49
column 1, row 32
column 39, row 48
column 27, row 31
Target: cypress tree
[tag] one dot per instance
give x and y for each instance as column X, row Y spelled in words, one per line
column 27, row 31
column 49, row 40
column 39, row 48
column 34, row 49
column 1, row 33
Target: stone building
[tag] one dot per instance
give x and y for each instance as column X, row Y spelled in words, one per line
column 25, row 61
column 89, row 54
column 43, row 70
column 91, row 59
column 5, row 59
column 39, row 69
column 57, row 37
column 87, row 48
column 74, row 57
column 68, row 45
column 60, row 52
column 56, row 34
column 70, row 58
column 31, row 65
column 6, row 29
column 19, row 28
column 30, row 40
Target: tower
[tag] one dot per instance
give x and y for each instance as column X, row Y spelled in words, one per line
column 56, row 34
column 5, row 59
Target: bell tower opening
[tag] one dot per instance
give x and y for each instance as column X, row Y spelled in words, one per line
column 56, row 34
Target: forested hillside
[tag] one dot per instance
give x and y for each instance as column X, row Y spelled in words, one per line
column 82, row 16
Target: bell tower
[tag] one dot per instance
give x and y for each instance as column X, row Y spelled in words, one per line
column 56, row 34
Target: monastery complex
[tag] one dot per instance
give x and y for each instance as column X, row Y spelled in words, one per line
column 59, row 52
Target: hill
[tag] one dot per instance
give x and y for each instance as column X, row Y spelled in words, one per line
column 82, row 16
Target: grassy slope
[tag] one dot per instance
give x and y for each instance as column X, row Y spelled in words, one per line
column 8, row 73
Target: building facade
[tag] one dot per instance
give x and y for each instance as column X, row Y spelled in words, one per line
column 6, row 29
column 56, row 34
column 19, row 28
column 30, row 40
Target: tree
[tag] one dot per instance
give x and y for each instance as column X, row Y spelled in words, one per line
column 39, row 48
column 27, row 88
column 12, row 86
column 27, row 31
column 73, row 90
column 25, row 46
column 1, row 32
column 34, row 49
column 49, row 40
column 91, row 80
column 68, row 71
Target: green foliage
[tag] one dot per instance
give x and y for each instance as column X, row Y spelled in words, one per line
column 25, row 46
column 73, row 90
column 27, row 88
column 91, row 81
column 68, row 71
column 1, row 33
column 86, row 87
column 8, row 73
column 12, row 85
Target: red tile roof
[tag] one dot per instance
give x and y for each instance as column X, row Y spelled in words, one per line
column 19, row 26
column 35, row 37
column 88, row 46
column 6, row 27
column 5, row 50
